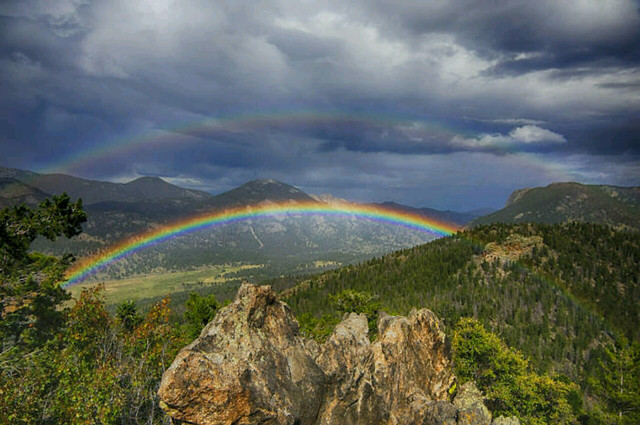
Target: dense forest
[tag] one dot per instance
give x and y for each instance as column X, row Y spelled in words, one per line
column 543, row 317
column 567, row 296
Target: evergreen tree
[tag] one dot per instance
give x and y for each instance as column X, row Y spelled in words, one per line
column 29, row 282
column 199, row 311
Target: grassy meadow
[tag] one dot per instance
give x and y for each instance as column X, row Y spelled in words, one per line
column 158, row 285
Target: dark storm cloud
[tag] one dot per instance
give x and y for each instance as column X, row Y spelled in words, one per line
column 516, row 91
column 525, row 35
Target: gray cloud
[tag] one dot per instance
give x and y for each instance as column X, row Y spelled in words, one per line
column 525, row 135
column 409, row 82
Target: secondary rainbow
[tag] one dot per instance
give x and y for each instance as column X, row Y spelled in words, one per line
column 196, row 133
column 85, row 267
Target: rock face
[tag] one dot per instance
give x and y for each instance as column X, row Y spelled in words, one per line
column 396, row 380
column 472, row 410
column 250, row 366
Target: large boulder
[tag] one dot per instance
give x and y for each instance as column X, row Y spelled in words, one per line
column 251, row 366
column 248, row 366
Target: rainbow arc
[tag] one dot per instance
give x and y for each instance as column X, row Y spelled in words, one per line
column 85, row 267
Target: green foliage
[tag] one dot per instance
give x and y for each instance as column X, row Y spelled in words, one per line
column 616, row 383
column 317, row 328
column 127, row 314
column 29, row 290
column 199, row 311
column 21, row 225
column 482, row 357
column 402, row 280
column 91, row 372
column 360, row 302
column 74, row 366
column 503, row 375
column 344, row 302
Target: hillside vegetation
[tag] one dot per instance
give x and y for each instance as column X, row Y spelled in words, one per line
column 567, row 295
column 563, row 202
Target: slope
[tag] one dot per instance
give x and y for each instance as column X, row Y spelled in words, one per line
column 553, row 291
column 447, row 216
column 562, row 202
column 94, row 191
column 14, row 192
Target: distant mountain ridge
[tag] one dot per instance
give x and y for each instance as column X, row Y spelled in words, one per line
column 564, row 202
column 94, row 191
column 120, row 210
column 14, row 191
column 447, row 216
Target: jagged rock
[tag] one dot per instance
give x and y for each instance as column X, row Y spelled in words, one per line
column 471, row 408
column 342, row 359
column 250, row 366
column 501, row 420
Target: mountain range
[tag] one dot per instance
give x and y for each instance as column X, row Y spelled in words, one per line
column 119, row 210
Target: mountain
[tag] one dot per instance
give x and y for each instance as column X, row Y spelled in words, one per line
column 447, row 216
column 93, row 191
column 156, row 188
column 117, row 211
column 258, row 191
column 14, row 192
column 562, row 202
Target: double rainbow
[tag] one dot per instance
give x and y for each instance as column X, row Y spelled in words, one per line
column 85, row 267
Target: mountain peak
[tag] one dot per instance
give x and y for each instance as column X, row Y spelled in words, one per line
column 261, row 190
column 147, row 182
column 264, row 182
column 267, row 184
column 147, row 179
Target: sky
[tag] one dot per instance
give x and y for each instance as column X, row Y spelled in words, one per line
column 449, row 104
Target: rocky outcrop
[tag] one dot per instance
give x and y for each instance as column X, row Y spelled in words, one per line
column 395, row 380
column 251, row 366
column 471, row 408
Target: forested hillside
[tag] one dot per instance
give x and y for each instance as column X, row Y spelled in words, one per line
column 563, row 202
column 567, row 295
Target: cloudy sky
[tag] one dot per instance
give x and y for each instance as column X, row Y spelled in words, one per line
column 440, row 103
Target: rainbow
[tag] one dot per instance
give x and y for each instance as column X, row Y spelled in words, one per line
column 85, row 267
column 211, row 128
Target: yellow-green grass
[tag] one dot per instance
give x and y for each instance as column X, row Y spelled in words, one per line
column 161, row 284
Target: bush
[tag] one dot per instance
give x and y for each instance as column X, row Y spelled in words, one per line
column 504, row 376
column 199, row 311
